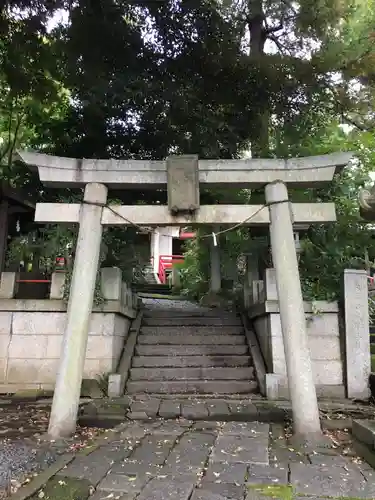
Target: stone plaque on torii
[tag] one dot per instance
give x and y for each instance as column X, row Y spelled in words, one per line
column 183, row 175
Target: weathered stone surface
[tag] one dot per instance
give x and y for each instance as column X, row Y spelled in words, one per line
column 153, row 448
column 90, row 388
column 111, row 409
column 108, row 495
column 280, row 452
column 329, row 481
column 182, row 339
column 189, row 361
column 270, row 413
column 313, row 443
column 264, row 474
column 247, row 410
column 111, row 452
column 210, row 460
column 170, row 429
column 231, row 491
column 240, row 449
column 63, row 489
column 166, row 489
column 95, row 466
column 216, row 408
column 124, row 401
column 138, row 415
column 364, row 431
column 200, row 494
column 149, row 406
column 190, row 454
column 357, row 338
column 191, row 330
column 135, row 468
column 122, row 484
column 84, row 468
column 193, row 321
column 205, row 425
column 191, row 350
column 194, row 373
column 253, row 429
column 133, row 432
column 192, row 386
column 194, row 410
column 169, row 409
column 329, row 460
column 226, row 473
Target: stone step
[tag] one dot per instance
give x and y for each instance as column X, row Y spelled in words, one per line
column 190, row 350
column 155, row 288
column 192, row 330
column 201, row 373
column 183, row 339
column 185, row 312
column 192, row 387
column 191, row 321
column 189, row 361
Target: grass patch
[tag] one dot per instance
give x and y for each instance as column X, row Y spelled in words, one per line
column 373, row 363
column 284, row 492
column 63, row 488
column 280, row 491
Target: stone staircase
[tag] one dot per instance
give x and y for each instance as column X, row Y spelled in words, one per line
column 149, row 275
column 182, row 351
column 151, row 289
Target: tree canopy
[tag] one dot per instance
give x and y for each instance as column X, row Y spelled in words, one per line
column 217, row 78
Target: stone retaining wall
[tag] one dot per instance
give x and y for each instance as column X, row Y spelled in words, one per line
column 31, row 333
column 340, row 354
column 324, row 342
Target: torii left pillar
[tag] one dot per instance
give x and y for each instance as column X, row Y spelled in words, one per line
column 69, row 378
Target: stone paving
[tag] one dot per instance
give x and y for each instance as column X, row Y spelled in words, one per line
column 195, row 407
column 206, row 460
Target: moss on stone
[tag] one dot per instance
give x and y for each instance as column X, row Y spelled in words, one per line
column 28, row 395
column 281, row 492
column 63, row 488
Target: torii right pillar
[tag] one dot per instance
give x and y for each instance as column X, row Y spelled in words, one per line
column 293, row 323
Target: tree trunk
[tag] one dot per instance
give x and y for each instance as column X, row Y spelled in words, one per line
column 258, row 36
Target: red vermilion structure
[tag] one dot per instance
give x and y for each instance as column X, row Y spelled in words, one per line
column 165, row 263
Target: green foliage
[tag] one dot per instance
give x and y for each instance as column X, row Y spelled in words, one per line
column 193, row 77
column 195, row 270
column 329, row 249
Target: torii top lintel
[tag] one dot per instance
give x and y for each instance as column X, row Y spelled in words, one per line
column 55, row 171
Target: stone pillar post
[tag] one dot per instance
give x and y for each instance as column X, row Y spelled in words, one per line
column 8, row 285
column 3, row 233
column 73, row 352
column 57, row 285
column 176, row 278
column 215, row 281
column 357, row 335
column 293, row 323
column 251, row 275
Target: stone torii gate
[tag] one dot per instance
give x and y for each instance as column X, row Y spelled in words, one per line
column 183, row 175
